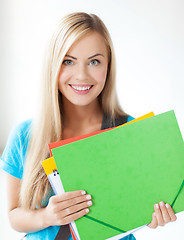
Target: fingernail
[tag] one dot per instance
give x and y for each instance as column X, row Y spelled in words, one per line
column 89, row 203
column 87, row 210
column 83, row 192
column 167, row 205
column 162, row 204
column 88, row 197
column 156, row 205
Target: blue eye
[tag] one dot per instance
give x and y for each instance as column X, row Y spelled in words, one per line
column 94, row 62
column 67, row 62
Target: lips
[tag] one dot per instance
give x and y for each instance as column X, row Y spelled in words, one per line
column 81, row 89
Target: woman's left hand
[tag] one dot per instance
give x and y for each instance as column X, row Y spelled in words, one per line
column 163, row 214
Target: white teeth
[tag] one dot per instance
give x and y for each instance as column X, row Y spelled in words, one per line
column 80, row 88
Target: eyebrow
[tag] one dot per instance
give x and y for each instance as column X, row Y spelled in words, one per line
column 98, row 54
column 70, row 57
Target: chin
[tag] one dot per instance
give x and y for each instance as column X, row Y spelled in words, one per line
column 82, row 104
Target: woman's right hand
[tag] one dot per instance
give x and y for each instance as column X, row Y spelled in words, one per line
column 67, row 207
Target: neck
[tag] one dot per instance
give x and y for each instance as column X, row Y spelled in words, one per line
column 81, row 116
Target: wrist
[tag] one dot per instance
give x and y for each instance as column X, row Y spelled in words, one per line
column 44, row 218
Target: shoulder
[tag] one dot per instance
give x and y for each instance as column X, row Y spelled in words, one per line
column 22, row 128
column 19, row 133
column 14, row 154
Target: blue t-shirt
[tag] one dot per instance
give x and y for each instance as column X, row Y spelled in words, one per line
column 13, row 162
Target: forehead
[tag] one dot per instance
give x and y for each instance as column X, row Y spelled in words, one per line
column 89, row 44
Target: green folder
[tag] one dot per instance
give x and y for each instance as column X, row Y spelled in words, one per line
column 126, row 170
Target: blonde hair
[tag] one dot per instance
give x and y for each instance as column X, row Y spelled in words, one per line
column 47, row 127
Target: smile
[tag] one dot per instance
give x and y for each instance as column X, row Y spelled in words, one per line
column 81, row 89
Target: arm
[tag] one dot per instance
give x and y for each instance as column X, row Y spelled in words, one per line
column 61, row 210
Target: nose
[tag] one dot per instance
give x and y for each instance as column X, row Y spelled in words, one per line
column 81, row 72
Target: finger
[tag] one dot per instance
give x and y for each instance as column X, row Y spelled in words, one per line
column 76, row 208
column 159, row 216
column 154, row 222
column 67, row 195
column 76, row 200
column 75, row 216
column 72, row 202
column 164, row 211
column 171, row 212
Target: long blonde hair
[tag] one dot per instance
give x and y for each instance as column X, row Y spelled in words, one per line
column 47, row 127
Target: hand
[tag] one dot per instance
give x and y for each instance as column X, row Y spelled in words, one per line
column 67, row 207
column 163, row 214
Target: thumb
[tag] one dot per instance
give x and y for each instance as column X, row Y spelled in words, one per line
column 154, row 222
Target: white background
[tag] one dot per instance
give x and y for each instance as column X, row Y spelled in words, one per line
column 148, row 37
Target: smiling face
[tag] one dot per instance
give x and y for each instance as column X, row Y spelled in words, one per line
column 83, row 72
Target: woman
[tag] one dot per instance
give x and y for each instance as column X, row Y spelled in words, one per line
column 79, row 97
